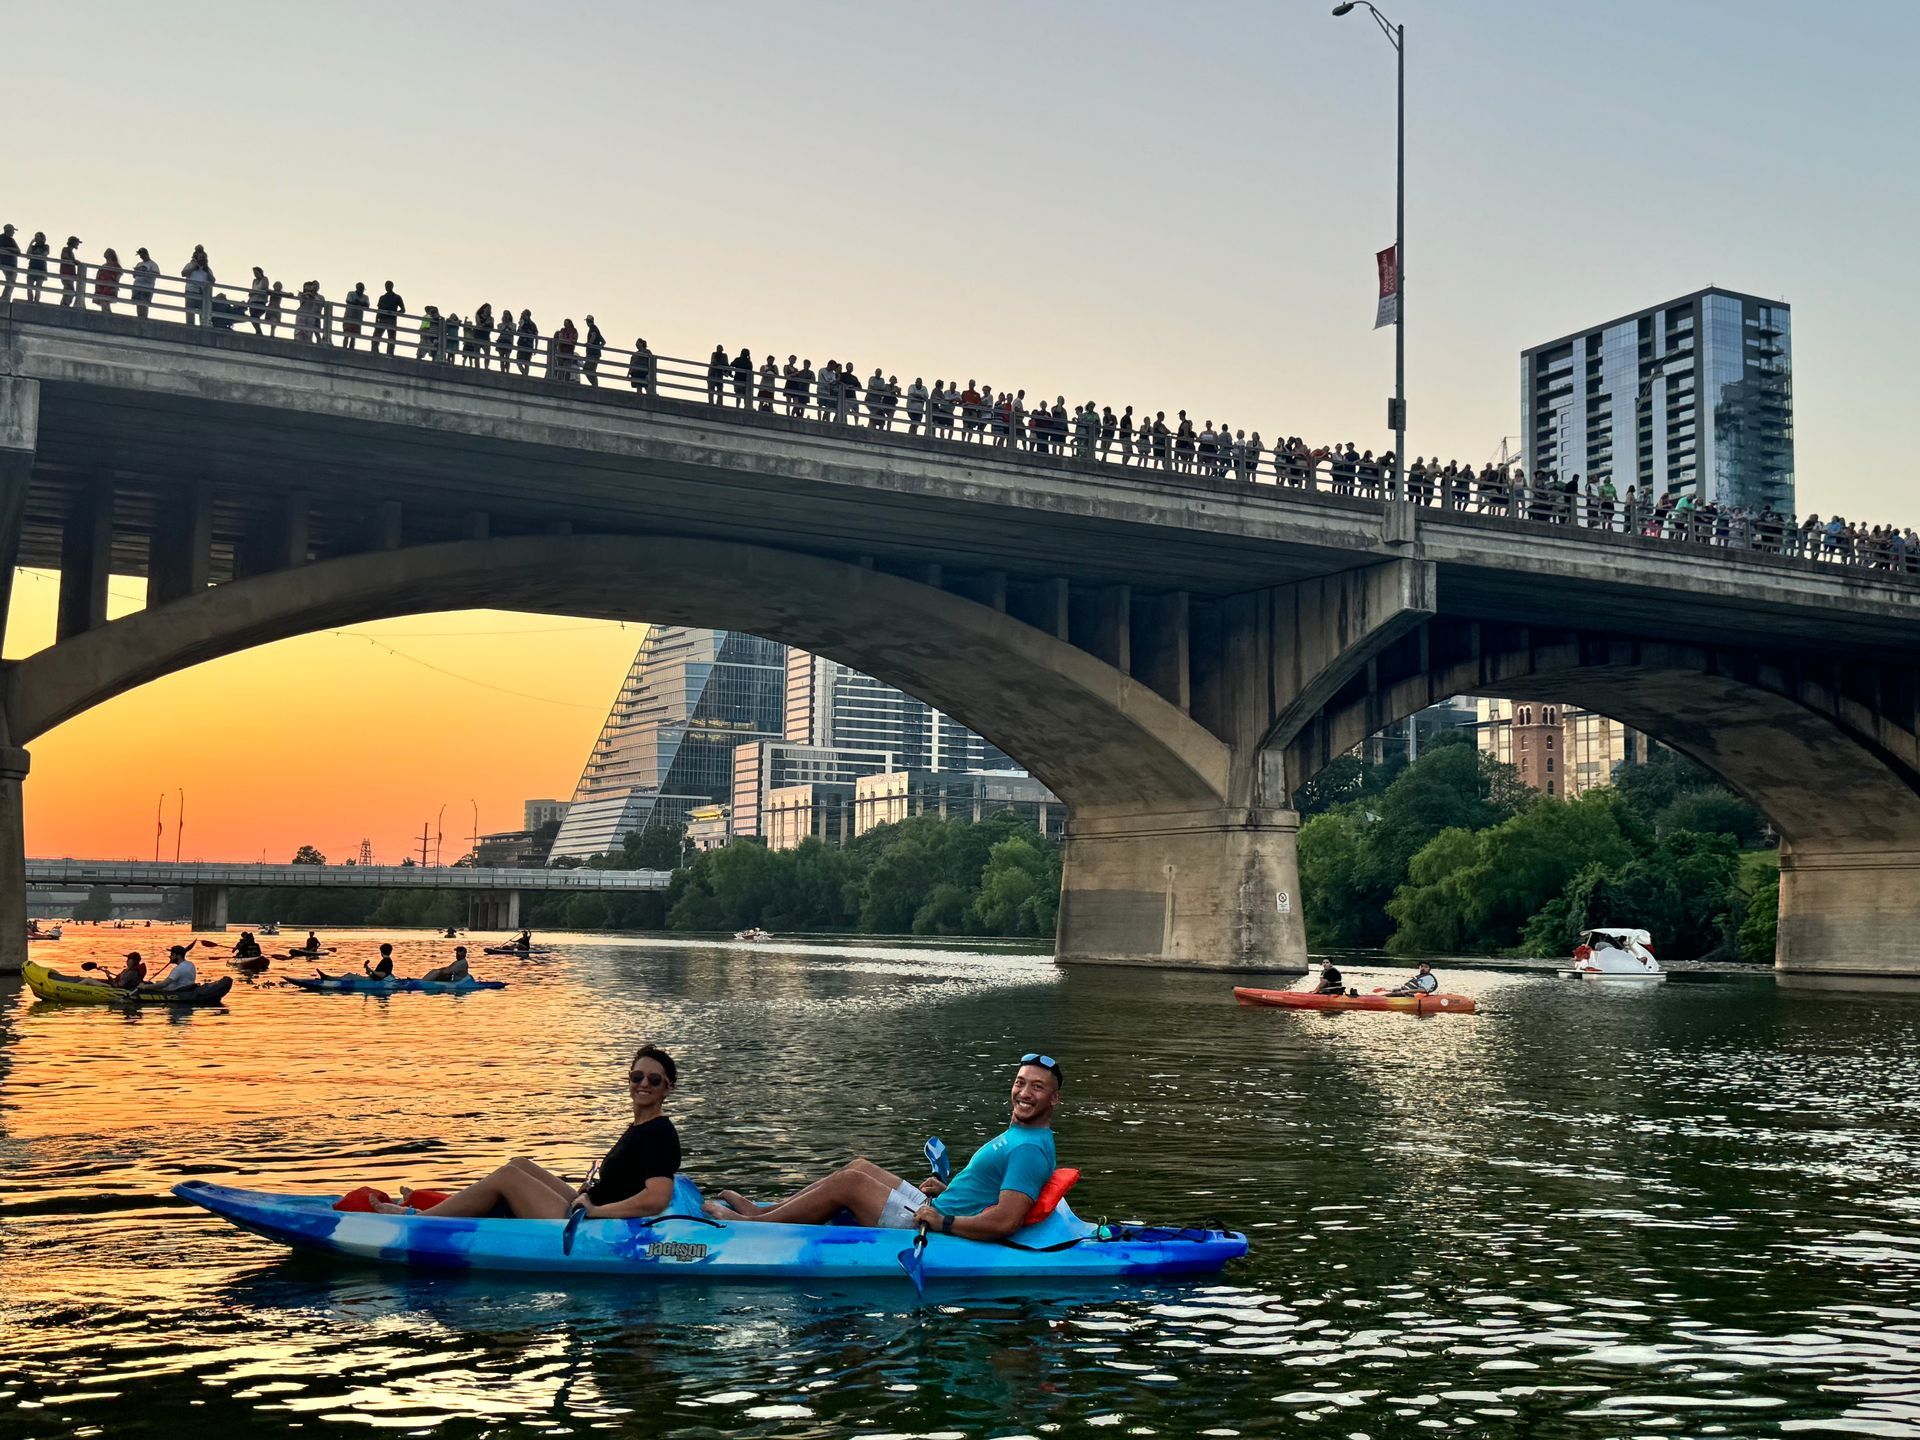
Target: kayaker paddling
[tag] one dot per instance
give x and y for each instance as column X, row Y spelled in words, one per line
column 635, row 1177
column 246, row 947
column 131, row 975
column 381, row 969
column 1331, row 981
column 988, row 1200
column 180, row 973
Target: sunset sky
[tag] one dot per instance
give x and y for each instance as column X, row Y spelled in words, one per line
column 1127, row 202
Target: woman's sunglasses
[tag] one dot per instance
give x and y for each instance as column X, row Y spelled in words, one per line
column 646, row 1080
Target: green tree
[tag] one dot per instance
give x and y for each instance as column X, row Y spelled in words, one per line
column 1760, row 929
column 307, row 855
column 1353, row 860
column 1019, row 890
column 1713, row 810
column 1476, row 892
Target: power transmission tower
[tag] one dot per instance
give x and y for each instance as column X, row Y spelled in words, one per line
column 366, row 851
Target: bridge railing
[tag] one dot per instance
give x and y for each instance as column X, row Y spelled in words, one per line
column 940, row 414
column 409, row 877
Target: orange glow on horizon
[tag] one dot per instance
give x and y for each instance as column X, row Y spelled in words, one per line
column 324, row 739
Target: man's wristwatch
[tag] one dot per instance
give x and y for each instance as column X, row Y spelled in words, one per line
column 946, row 1224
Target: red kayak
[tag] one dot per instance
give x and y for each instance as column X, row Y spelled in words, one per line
column 1438, row 1003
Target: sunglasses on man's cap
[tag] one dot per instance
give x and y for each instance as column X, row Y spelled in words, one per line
column 1034, row 1057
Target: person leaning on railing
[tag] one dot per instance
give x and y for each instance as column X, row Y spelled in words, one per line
column 1089, row 431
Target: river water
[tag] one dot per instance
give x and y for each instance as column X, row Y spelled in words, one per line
column 1693, row 1210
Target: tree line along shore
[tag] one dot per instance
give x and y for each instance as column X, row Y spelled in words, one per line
column 1450, row 854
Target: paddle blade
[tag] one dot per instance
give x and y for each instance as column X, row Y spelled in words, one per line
column 938, row 1161
column 913, row 1261
column 574, row 1218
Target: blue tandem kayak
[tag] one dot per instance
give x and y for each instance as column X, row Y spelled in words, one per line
column 367, row 985
column 685, row 1245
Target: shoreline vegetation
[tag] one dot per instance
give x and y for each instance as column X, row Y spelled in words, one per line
column 1448, row 855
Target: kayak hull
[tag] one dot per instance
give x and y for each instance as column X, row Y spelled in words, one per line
column 516, row 950
column 1439, row 1003
column 685, row 1245
column 50, row 985
column 366, row 985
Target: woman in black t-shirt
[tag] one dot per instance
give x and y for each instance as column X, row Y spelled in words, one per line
column 635, row 1177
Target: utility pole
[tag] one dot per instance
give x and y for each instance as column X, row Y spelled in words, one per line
column 423, row 844
column 179, row 826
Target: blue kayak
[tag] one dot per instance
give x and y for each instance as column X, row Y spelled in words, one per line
column 367, row 985
column 686, row 1245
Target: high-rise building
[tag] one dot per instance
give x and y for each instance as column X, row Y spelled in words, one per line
column 1691, row 397
column 830, row 704
column 761, row 767
column 536, row 813
column 889, row 798
column 1559, row 750
column 667, row 746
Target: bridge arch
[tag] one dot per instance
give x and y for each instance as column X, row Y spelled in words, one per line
column 1831, row 754
column 1098, row 738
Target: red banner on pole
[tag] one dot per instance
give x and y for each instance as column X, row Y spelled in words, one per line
column 1389, row 311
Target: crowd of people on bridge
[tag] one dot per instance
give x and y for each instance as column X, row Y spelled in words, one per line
column 835, row 393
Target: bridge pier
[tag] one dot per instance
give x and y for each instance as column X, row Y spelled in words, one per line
column 1208, row 890
column 1848, row 916
column 13, row 860
column 493, row 911
column 210, row 907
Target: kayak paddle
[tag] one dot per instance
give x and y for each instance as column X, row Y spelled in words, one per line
column 577, row 1210
column 913, row 1258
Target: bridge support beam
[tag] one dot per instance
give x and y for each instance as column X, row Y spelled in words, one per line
column 1848, row 917
column 209, row 907
column 1212, row 890
column 491, row 910
column 19, row 439
column 13, row 860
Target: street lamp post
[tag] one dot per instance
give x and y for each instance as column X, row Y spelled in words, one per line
column 475, row 852
column 437, row 832
column 1397, row 37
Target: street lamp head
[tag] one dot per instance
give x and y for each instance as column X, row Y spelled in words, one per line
column 1344, row 7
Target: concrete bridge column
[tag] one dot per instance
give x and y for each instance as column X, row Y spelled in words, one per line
column 209, row 907
column 13, row 860
column 1846, row 915
column 1214, row 889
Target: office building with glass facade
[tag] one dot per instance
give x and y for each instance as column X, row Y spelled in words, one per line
column 1692, row 397
column 761, row 767
column 667, row 747
column 830, row 704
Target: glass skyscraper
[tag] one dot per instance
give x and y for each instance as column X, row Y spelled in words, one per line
column 1691, row 397
column 690, row 697
column 830, row 704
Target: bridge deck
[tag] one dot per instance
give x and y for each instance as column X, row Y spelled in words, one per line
column 161, row 409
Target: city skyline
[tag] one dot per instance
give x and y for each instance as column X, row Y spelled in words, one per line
column 1056, row 156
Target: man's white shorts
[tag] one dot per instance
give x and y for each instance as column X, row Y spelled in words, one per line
column 902, row 1205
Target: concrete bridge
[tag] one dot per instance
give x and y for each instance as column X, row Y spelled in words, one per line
column 493, row 895
column 1172, row 654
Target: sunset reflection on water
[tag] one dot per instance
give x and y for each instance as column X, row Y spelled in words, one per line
column 1571, row 1211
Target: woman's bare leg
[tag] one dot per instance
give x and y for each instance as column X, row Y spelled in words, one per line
column 545, row 1176
column 527, row 1197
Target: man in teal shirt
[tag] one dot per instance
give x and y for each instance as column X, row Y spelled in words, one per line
column 987, row 1200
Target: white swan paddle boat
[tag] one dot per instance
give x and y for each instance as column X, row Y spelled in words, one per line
column 1615, row 953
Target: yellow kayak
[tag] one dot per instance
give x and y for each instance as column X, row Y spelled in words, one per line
column 51, row 985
